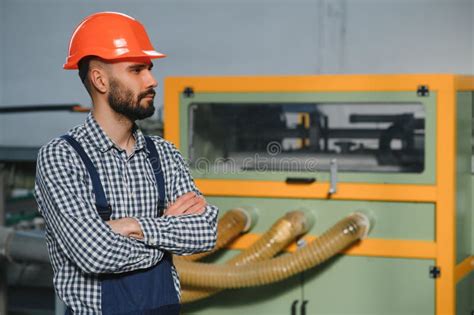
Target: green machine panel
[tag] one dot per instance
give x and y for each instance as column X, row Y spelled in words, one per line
column 344, row 285
column 394, row 220
column 465, row 296
column 273, row 299
column 464, row 210
column 362, row 285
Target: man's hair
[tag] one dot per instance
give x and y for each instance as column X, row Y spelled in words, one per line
column 83, row 66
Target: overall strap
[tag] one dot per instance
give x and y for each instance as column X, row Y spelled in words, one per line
column 103, row 208
column 156, row 165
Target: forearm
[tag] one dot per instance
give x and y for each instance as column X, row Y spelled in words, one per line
column 181, row 235
column 186, row 227
column 96, row 249
column 108, row 252
column 87, row 240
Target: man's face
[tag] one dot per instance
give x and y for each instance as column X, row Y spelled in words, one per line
column 131, row 89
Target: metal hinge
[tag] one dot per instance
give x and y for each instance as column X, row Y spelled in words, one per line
column 188, row 91
column 423, row 90
column 435, row 272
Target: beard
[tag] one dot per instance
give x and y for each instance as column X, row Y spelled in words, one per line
column 122, row 101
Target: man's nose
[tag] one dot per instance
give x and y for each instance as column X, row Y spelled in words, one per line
column 150, row 80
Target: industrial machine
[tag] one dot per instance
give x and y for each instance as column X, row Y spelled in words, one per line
column 396, row 148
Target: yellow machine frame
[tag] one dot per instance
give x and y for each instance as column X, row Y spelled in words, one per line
column 442, row 194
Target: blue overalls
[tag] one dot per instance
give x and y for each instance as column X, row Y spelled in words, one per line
column 141, row 292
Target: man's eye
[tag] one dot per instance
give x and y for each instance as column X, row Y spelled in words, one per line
column 136, row 71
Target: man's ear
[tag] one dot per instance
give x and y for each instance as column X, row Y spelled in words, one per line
column 99, row 79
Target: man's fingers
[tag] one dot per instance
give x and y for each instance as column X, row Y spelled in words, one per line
column 198, row 208
column 183, row 199
column 189, row 203
column 199, row 203
column 137, row 236
column 188, row 206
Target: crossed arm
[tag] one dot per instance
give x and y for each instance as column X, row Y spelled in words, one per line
column 95, row 246
column 189, row 203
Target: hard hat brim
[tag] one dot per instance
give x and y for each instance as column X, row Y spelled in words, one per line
column 73, row 61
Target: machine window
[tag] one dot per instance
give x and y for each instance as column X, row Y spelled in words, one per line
column 361, row 137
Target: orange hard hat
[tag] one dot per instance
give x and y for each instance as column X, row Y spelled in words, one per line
column 110, row 36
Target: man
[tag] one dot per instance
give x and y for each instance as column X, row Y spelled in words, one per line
column 103, row 187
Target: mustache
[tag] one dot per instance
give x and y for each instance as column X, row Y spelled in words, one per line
column 147, row 93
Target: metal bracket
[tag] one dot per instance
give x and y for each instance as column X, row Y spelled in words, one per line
column 423, row 90
column 435, row 272
column 188, row 92
column 333, row 176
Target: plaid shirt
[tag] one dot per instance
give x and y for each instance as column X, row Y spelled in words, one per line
column 81, row 245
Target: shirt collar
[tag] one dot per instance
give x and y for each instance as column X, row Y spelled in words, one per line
column 102, row 141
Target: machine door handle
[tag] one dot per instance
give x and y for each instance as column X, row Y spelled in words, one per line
column 303, row 307
column 300, row 180
column 293, row 307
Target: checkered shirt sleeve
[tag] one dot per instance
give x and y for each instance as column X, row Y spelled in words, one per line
column 186, row 234
column 73, row 219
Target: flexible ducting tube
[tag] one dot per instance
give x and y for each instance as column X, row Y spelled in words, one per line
column 233, row 223
column 337, row 238
column 278, row 237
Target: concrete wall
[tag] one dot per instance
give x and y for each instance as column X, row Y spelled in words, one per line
column 227, row 37
column 410, row 37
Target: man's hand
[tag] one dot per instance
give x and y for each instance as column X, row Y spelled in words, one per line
column 128, row 227
column 189, row 203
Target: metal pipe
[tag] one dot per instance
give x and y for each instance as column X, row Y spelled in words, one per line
column 23, row 246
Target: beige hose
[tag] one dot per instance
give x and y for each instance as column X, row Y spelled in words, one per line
column 230, row 226
column 278, row 237
column 337, row 238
